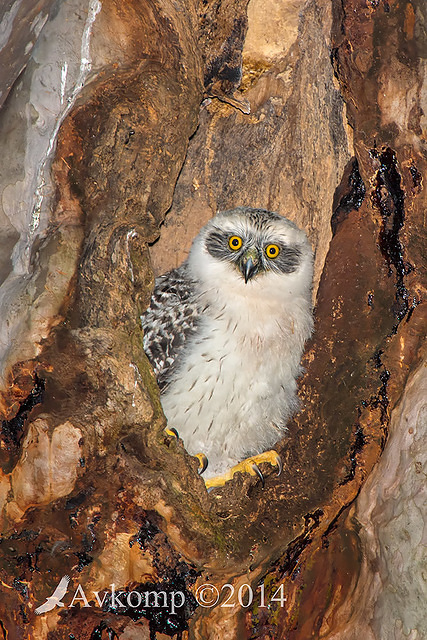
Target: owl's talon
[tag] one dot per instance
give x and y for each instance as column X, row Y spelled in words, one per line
column 203, row 463
column 257, row 470
column 171, row 431
column 250, row 465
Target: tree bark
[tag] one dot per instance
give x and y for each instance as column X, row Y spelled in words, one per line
column 312, row 109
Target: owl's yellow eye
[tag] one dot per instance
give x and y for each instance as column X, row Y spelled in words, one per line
column 272, row 251
column 235, row 243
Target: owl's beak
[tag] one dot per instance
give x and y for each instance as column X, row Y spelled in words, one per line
column 249, row 265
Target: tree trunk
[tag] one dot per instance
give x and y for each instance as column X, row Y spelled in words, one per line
column 114, row 114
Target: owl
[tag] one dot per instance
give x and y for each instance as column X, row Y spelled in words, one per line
column 225, row 332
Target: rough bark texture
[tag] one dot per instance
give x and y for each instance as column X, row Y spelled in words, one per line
column 91, row 486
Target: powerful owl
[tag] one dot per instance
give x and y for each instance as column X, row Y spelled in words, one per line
column 225, row 333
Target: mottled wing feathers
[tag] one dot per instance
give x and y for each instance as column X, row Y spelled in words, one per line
column 170, row 320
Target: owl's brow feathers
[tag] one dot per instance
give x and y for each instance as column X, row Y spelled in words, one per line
column 287, row 261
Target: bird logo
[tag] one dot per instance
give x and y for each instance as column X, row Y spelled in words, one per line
column 55, row 599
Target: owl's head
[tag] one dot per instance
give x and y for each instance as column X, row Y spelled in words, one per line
column 252, row 245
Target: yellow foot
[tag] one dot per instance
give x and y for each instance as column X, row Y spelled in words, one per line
column 250, row 465
column 172, row 432
column 203, row 462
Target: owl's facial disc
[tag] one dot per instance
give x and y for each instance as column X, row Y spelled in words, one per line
column 251, row 249
column 249, row 264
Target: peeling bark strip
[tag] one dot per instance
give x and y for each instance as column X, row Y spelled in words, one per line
column 91, row 486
